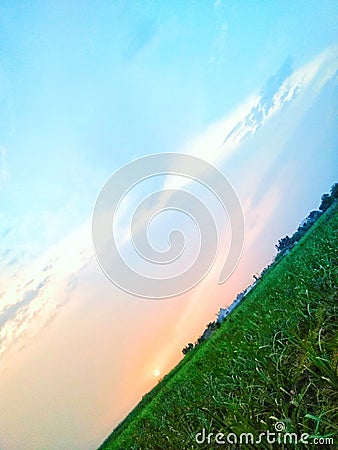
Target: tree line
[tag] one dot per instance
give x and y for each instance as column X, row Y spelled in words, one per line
column 286, row 243
column 283, row 246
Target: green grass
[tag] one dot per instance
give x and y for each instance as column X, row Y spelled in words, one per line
column 274, row 359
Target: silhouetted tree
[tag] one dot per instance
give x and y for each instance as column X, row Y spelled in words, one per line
column 334, row 191
column 327, row 201
column 187, row 348
column 284, row 244
column 312, row 217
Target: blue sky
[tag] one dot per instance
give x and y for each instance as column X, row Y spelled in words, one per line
column 85, row 87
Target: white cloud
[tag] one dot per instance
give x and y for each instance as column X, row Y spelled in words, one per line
column 313, row 74
column 47, row 277
column 216, row 145
column 223, row 138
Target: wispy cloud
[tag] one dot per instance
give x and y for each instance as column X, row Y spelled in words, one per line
column 49, row 282
column 286, row 87
column 10, row 311
column 226, row 138
column 35, row 295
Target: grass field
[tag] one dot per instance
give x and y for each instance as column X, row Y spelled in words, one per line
column 273, row 360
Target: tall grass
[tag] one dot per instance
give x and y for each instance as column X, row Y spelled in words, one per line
column 274, row 359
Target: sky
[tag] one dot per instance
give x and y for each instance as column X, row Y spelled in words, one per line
column 87, row 87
